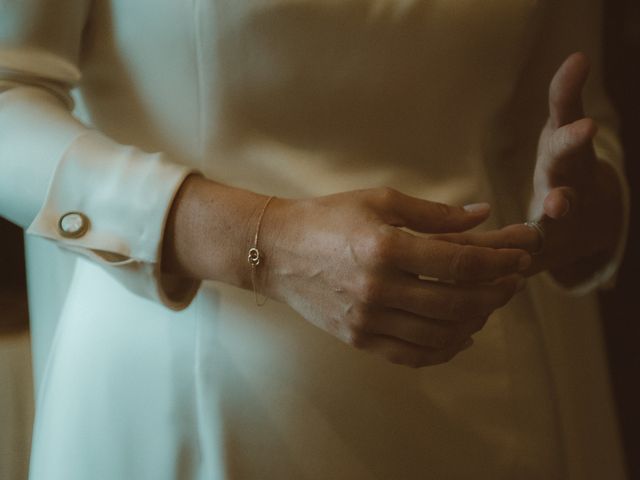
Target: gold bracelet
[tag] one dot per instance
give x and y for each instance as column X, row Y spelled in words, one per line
column 255, row 256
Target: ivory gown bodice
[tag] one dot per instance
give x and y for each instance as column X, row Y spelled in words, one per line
column 348, row 93
column 440, row 99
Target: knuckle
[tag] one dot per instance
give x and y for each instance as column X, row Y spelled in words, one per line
column 379, row 248
column 370, row 289
column 387, row 196
column 442, row 209
column 510, row 237
column 448, row 237
column 382, row 246
column 361, row 319
column 355, row 339
column 578, row 131
column 442, row 212
column 334, row 325
column 571, row 131
column 465, row 264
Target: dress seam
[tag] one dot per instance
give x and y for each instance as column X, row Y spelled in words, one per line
column 197, row 50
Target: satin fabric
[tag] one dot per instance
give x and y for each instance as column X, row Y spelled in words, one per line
column 144, row 376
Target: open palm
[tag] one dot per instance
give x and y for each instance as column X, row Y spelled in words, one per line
column 577, row 197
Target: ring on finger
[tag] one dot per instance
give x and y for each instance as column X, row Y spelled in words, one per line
column 537, row 226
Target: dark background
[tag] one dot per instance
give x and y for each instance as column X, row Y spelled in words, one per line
column 13, row 296
column 620, row 307
column 621, row 317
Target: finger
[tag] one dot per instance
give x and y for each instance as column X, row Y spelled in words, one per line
column 517, row 236
column 571, row 139
column 565, row 90
column 421, row 331
column 408, row 354
column 560, row 202
column 402, row 210
column 449, row 261
column 569, row 153
column 456, row 304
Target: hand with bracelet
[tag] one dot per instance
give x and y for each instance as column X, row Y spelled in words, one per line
column 343, row 262
column 579, row 196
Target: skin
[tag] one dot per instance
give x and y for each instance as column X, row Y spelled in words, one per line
column 353, row 264
column 579, row 194
column 342, row 262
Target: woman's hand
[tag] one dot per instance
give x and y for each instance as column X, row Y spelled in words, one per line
column 576, row 195
column 342, row 262
column 345, row 265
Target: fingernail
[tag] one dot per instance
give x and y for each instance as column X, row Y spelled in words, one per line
column 566, row 207
column 524, row 263
column 467, row 344
column 477, row 208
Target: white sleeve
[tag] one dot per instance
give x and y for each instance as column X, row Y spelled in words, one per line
column 569, row 26
column 51, row 165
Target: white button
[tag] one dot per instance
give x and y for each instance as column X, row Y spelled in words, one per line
column 73, row 225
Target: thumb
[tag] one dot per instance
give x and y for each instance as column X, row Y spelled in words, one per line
column 431, row 217
column 565, row 91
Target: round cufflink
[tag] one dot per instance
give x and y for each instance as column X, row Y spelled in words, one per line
column 73, row 225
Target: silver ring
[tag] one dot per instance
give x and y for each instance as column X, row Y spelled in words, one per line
column 537, row 226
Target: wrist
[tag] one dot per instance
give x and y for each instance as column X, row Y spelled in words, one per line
column 274, row 243
column 207, row 229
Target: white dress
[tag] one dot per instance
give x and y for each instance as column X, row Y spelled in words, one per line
column 145, row 376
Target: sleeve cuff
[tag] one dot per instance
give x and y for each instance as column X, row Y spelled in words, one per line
column 123, row 196
column 604, row 278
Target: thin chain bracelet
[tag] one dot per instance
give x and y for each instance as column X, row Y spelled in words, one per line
column 255, row 256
